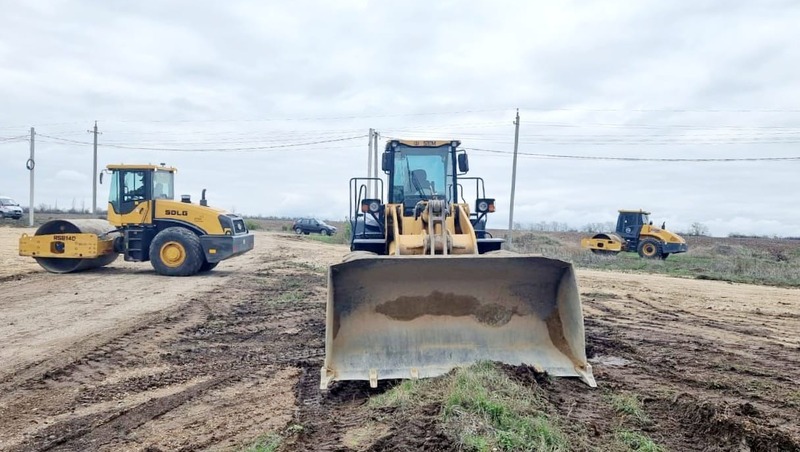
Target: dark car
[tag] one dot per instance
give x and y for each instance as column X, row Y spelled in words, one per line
column 309, row 225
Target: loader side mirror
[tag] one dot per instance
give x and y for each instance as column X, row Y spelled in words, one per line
column 101, row 178
column 463, row 163
column 387, row 163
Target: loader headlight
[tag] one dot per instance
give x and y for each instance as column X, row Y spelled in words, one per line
column 371, row 205
column 484, row 205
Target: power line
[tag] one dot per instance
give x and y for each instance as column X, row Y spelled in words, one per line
column 313, row 118
column 668, row 110
column 166, row 149
column 639, row 159
column 17, row 138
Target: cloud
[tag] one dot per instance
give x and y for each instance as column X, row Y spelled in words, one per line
column 70, row 176
column 650, row 79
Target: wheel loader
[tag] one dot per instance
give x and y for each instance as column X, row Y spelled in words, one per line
column 426, row 287
column 635, row 233
column 144, row 223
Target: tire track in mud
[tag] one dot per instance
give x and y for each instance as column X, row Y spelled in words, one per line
column 713, row 394
column 217, row 372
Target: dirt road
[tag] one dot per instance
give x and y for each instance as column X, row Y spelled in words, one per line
column 122, row 359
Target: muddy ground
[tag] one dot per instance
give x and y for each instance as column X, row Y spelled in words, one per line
column 121, row 359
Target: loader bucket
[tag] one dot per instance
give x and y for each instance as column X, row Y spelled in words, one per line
column 421, row 316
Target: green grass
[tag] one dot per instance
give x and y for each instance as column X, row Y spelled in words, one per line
column 335, row 239
column 267, row 443
column 320, row 269
column 794, row 398
column 629, row 406
column 252, row 225
column 740, row 263
column 272, row 441
column 637, row 442
column 484, row 409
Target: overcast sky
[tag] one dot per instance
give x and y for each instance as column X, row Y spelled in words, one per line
column 172, row 81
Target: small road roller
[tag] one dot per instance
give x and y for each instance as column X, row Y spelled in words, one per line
column 145, row 223
column 635, row 233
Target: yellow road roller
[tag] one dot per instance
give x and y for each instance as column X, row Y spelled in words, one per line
column 426, row 287
column 635, row 233
column 145, row 223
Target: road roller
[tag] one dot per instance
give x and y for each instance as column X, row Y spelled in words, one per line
column 144, row 223
column 635, row 233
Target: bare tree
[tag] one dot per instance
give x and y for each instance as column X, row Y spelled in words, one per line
column 698, row 229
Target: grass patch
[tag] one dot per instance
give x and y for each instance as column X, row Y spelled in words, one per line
column 750, row 262
column 403, row 396
column 634, row 441
column 252, row 225
column 483, row 408
column 272, row 441
column 320, row 269
column 267, row 443
column 793, row 398
column 629, row 405
column 335, row 239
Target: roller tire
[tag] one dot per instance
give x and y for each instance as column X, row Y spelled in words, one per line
column 650, row 249
column 190, row 242
column 208, row 266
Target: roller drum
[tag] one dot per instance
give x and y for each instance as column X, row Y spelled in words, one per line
column 90, row 226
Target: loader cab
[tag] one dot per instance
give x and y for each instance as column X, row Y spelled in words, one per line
column 420, row 171
column 132, row 188
column 629, row 225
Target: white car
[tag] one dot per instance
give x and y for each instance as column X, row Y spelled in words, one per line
column 10, row 208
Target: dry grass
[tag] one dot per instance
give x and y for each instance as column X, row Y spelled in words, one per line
column 755, row 261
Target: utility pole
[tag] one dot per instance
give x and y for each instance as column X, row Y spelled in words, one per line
column 513, row 181
column 94, row 170
column 30, row 164
column 369, row 163
column 375, row 164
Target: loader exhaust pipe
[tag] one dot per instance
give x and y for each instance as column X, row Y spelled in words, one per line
column 421, row 316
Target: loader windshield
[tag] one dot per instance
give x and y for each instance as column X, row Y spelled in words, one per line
column 420, row 173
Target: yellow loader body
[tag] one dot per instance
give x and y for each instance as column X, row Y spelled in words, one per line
column 428, row 289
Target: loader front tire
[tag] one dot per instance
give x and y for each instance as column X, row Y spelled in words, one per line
column 176, row 251
column 650, row 249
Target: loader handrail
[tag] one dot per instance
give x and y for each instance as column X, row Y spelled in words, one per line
column 358, row 190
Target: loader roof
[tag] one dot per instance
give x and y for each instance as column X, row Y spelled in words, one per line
column 634, row 211
column 122, row 166
column 424, row 143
